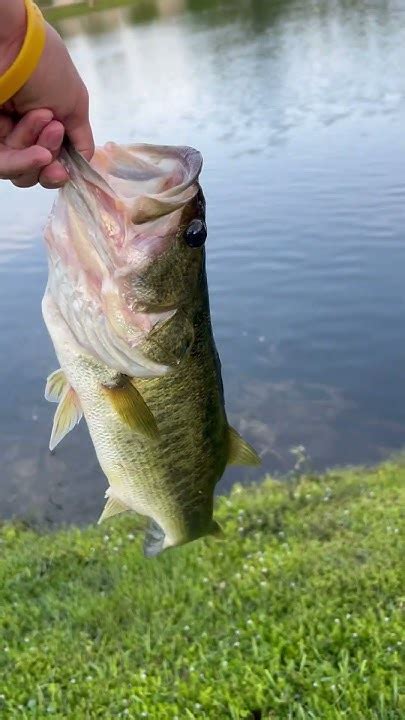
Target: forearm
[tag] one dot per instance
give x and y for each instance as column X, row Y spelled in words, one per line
column 12, row 19
column 12, row 30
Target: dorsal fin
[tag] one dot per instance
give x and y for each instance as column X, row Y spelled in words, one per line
column 240, row 452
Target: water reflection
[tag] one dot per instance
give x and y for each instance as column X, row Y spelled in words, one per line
column 299, row 109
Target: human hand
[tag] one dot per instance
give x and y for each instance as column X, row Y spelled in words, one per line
column 33, row 121
column 29, row 148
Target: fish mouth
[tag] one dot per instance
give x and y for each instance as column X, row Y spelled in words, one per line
column 155, row 179
column 148, row 181
column 126, row 206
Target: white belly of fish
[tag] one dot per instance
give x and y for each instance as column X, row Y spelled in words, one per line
column 82, row 385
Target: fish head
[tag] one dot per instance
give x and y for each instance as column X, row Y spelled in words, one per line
column 126, row 246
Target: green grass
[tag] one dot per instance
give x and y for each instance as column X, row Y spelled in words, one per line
column 296, row 614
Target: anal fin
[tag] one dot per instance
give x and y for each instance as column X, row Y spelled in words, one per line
column 240, row 451
column 112, row 507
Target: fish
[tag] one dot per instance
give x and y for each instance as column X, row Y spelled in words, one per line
column 127, row 309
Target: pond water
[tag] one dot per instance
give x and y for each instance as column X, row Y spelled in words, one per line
column 299, row 110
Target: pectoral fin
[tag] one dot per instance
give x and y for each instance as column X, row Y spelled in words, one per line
column 131, row 407
column 240, row 452
column 56, row 385
column 68, row 414
column 112, row 507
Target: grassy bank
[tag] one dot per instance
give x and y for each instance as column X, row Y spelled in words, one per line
column 295, row 615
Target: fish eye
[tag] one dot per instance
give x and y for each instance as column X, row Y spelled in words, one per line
column 196, row 234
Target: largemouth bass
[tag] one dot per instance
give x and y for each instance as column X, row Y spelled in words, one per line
column 127, row 309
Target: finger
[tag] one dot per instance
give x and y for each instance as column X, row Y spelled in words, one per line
column 26, row 181
column 26, row 132
column 6, row 125
column 14, row 163
column 51, row 137
column 78, row 128
column 53, row 176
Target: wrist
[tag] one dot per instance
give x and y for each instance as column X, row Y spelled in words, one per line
column 22, row 52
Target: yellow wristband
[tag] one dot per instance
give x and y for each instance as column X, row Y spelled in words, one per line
column 29, row 56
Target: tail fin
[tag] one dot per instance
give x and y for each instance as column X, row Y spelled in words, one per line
column 154, row 540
